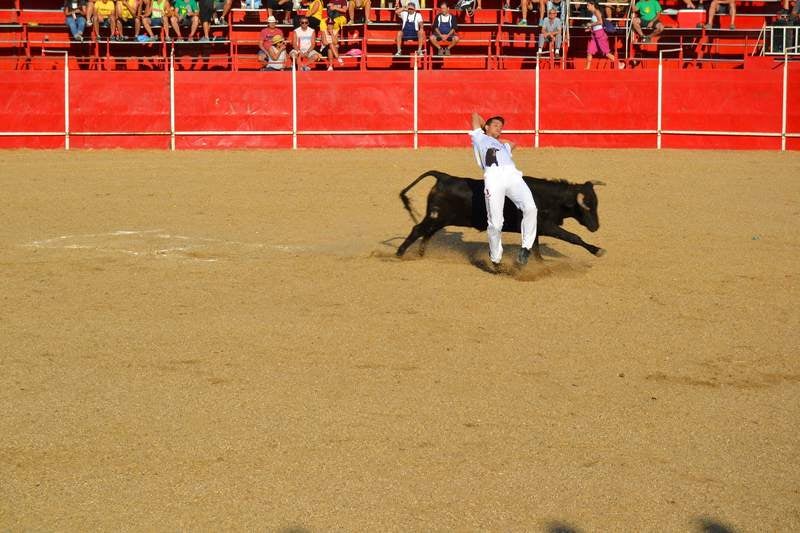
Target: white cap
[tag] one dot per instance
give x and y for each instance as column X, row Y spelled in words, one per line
column 271, row 19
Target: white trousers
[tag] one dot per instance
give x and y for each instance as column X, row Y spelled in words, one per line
column 500, row 182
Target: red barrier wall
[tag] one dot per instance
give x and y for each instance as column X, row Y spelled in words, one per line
column 135, row 106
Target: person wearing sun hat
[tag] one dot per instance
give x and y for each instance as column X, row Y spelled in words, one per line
column 275, row 56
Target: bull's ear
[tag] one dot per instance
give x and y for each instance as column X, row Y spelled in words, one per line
column 580, row 198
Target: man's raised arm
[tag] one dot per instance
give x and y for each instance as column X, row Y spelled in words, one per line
column 477, row 121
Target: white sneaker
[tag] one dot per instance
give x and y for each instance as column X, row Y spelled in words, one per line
column 340, row 60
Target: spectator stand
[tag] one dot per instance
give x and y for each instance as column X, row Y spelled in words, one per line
column 491, row 38
column 516, row 46
column 700, row 47
column 46, row 29
column 245, row 30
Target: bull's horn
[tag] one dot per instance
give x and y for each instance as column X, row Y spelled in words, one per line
column 580, row 201
column 597, row 182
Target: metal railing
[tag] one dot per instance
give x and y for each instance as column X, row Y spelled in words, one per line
column 778, row 39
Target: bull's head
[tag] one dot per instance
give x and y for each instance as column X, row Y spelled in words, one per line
column 587, row 205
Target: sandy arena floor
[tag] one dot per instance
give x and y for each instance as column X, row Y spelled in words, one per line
column 222, row 340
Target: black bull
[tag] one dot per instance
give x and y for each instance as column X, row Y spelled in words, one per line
column 455, row 201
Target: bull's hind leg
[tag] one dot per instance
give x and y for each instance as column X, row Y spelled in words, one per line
column 424, row 229
column 536, row 252
column 429, row 232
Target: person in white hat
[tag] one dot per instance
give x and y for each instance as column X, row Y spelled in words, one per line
column 265, row 39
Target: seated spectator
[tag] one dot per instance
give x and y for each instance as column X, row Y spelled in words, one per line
column 266, row 35
column 352, row 5
column 598, row 41
column 647, row 13
column 330, row 46
column 303, row 45
column 781, row 38
column 712, row 10
column 444, row 30
column 105, row 16
column 155, row 13
column 337, row 16
column 186, row 11
column 411, row 28
column 126, row 16
column 276, row 7
column 469, row 6
column 75, row 13
column 275, row 58
column 614, row 11
column 265, row 39
column 552, row 30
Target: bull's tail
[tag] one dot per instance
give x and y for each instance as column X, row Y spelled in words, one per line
column 407, row 202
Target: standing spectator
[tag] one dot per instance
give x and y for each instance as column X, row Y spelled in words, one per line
column 410, row 28
column 315, row 14
column 75, row 13
column 712, row 10
column 444, row 30
column 330, row 46
column 366, row 5
column 105, row 16
column 598, row 40
column 206, row 18
column 276, row 55
column 647, row 12
column 265, row 39
column 303, row 45
column 551, row 32
column 186, row 11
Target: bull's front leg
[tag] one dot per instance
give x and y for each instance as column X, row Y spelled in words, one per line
column 560, row 233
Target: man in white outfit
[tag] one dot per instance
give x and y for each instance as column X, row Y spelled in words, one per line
column 501, row 179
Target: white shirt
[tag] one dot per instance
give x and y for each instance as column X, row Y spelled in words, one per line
column 481, row 143
column 305, row 39
column 416, row 19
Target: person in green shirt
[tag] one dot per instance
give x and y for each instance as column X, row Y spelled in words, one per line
column 187, row 13
column 646, row 14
